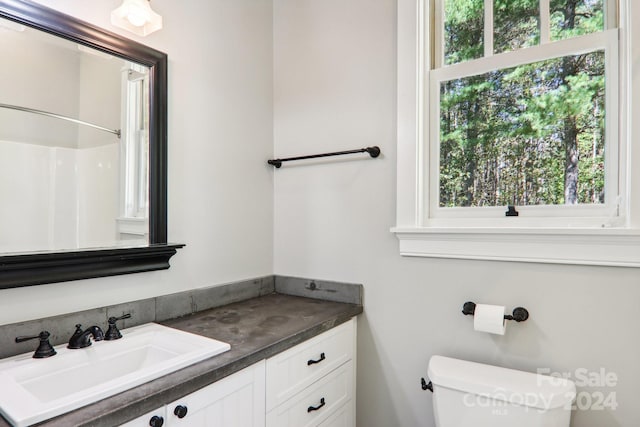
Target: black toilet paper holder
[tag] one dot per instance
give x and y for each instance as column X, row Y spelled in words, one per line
column 520, row 314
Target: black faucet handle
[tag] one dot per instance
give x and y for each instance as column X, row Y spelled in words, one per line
column 113, row 320
column 44, row 334
column 113, row 333
column 44, row 348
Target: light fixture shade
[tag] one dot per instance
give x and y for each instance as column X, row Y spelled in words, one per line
column 136, row 16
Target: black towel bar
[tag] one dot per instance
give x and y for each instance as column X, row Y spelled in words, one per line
column 373, row 152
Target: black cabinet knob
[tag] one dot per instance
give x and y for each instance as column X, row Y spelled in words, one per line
column 156, row 421
column 180, row 411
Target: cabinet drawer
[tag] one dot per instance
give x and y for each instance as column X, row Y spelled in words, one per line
column 290, row 372
column 328, row 395
column 343, row 417
column 237, row 400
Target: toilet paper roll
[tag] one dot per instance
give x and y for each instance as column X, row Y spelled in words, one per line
column 489, row 318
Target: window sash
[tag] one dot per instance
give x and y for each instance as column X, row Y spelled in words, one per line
column 608, row 212
column 611, row 19
column 134, row 155
column 587, row 43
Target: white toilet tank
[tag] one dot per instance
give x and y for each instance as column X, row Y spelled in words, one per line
column 468, row 394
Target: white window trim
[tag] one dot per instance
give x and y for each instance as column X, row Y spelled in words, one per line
column 612, row 245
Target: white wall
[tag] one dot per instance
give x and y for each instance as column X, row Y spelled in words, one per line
column 27, row 86
column 76, row 84
column 99, row 98
column 220, row 136
column 334, row 89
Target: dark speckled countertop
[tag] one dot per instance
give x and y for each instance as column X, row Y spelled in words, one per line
column 256, row 328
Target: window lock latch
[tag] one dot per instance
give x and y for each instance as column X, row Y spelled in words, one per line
column 511, row 211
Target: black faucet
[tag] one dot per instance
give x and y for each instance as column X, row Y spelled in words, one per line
column 80, row 338
column 113, row 333
column 44, row 348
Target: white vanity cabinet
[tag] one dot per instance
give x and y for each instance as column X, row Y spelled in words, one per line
column 309, row 385
column 234, row 401
column 313, row 383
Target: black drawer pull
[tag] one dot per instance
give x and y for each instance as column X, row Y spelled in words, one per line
column 156, row 421
column 180, row 411
column 312, row 362
column 315, row 408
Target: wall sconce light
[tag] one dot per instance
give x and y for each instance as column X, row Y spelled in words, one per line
column 136, row 16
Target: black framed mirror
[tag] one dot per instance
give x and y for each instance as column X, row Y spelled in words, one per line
column 38, row 266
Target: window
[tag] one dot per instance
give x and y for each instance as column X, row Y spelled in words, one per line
column 523, row 110
column 135, row 142
column 526, row 103
column 133, row 222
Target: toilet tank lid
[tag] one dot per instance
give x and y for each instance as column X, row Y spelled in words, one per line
column 516, row 387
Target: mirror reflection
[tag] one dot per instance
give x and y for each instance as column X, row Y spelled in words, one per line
column 74, row 145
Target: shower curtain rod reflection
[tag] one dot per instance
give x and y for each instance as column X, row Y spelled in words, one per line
column 61, row 117
column 373, row 152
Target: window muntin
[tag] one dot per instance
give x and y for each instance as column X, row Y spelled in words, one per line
column 587, row 42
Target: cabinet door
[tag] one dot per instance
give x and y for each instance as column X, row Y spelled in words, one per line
column 235, row 401
column 157, row 417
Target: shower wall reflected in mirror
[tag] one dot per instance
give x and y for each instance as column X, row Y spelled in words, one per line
column 74, row 145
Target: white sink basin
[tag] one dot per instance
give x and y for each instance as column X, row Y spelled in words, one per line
column 33, row 390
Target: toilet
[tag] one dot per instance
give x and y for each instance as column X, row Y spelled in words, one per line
column 468, row 394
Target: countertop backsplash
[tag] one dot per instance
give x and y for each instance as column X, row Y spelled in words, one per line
column 166, row 307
